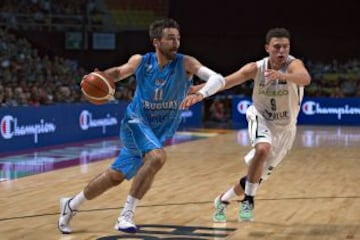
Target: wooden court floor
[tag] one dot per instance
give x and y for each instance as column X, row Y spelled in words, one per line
column 314, row 194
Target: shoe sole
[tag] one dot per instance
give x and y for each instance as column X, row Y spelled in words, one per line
column 246, row 220
column 218, row 221
column 63, row 232
column 127, row 230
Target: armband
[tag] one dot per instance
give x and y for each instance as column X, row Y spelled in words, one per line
column 212, row 86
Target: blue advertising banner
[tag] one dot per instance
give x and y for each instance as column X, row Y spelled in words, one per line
column 192, row 117
column 28, row 127
column 24, row 128
column 239, row 107
column 314, row 111
column 330, row 111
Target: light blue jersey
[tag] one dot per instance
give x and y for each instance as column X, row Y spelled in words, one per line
column 154, row 114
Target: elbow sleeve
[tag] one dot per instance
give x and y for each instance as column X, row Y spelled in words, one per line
column 205, row 73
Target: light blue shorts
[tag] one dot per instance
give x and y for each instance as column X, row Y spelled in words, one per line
column 137, row 139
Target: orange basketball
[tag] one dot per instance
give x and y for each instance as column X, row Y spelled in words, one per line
column 97, row 87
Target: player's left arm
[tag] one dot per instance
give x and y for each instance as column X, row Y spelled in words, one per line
column 297, row 73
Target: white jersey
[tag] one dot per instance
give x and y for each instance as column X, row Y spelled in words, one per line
column 278, row 101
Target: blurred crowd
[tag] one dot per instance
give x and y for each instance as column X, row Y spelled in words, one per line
column 45, row 14
column 28, row 79
column 334, row 79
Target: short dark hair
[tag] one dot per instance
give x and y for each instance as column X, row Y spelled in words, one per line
column 157, row 27
column 277, row 33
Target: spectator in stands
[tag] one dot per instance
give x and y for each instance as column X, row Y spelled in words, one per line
column 9, row 97
column 21, row 97
column 218, row 112
column 348, row 87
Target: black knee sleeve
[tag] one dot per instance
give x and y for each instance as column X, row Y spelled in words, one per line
column 243, row 182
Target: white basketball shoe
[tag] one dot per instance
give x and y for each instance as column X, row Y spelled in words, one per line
column 66, row 213
column 125, row 222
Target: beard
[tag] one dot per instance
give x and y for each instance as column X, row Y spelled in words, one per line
column 169, row 54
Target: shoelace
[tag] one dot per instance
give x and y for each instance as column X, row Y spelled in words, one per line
column 220, row 208
column 246, row 206
column 72, row 212
column 128, row 216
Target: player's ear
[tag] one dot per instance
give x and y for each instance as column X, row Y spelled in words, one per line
column 266, row 46
column 156, row 42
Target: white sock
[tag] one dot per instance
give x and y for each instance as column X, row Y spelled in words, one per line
column 229, row 194
column 77, row 200
column 250, row 188
column 130, row 204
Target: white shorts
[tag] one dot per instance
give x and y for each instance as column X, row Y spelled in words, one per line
column 260, row 130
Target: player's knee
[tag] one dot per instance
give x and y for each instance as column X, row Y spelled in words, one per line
column 155, row 159
column 263, row 150
column 103, row 182
column 114, row 177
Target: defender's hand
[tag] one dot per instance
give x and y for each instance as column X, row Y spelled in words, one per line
column 195, row 88
column 191, row 100
column 271, row 74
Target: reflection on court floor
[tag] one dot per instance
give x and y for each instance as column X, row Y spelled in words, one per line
column 20, row 165
column 315, row 136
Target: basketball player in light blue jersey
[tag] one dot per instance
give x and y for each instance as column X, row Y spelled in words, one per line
column 279, row 81
column 163, row 81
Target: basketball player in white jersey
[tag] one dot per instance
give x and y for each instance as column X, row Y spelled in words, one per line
column 279, row 81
